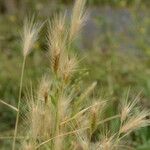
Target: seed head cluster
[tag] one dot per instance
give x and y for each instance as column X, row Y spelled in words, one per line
column 58, row 116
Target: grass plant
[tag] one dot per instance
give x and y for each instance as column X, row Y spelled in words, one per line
column 58, row 113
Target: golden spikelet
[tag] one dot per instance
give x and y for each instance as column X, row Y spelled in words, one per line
column 127, row 107
column 87, row 92
column 134, row 122
column 95, row 114
column 68, row 67
column 43, row 89
column 107, row 143
column 78, row 18
column 64, row 104
column 57, row 40
column 93, row 121
column 30, row 35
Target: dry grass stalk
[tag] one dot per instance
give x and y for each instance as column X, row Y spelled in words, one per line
column 30, row 34
column 10, row 106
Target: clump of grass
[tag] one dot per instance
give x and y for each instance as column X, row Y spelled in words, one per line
column 59, row 116
column 29, row 37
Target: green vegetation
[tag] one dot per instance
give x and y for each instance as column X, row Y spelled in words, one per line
column 119, row 2
column 113, row 2
column 115, row 70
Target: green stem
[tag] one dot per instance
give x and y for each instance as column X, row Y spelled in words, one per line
column 19, row 100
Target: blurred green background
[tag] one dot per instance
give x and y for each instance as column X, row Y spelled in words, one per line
column 114, row 45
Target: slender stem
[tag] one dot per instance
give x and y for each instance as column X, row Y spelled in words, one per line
column 60, row 135
column 79, row 113
column 12, row 107
column 108, row 119
column 19, row 100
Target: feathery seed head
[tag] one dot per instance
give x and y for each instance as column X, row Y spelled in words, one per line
column 127, row 107
column 30, row 35
column 57, row 40
column 64, row 102
column 34, row 116
column 88, row 91
column 95, row 114
column 135, row 122
column 78, row 18
column 107, row 142
column 68, row 67
column 35, row 122
column 126, row 110
column 43, row 89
